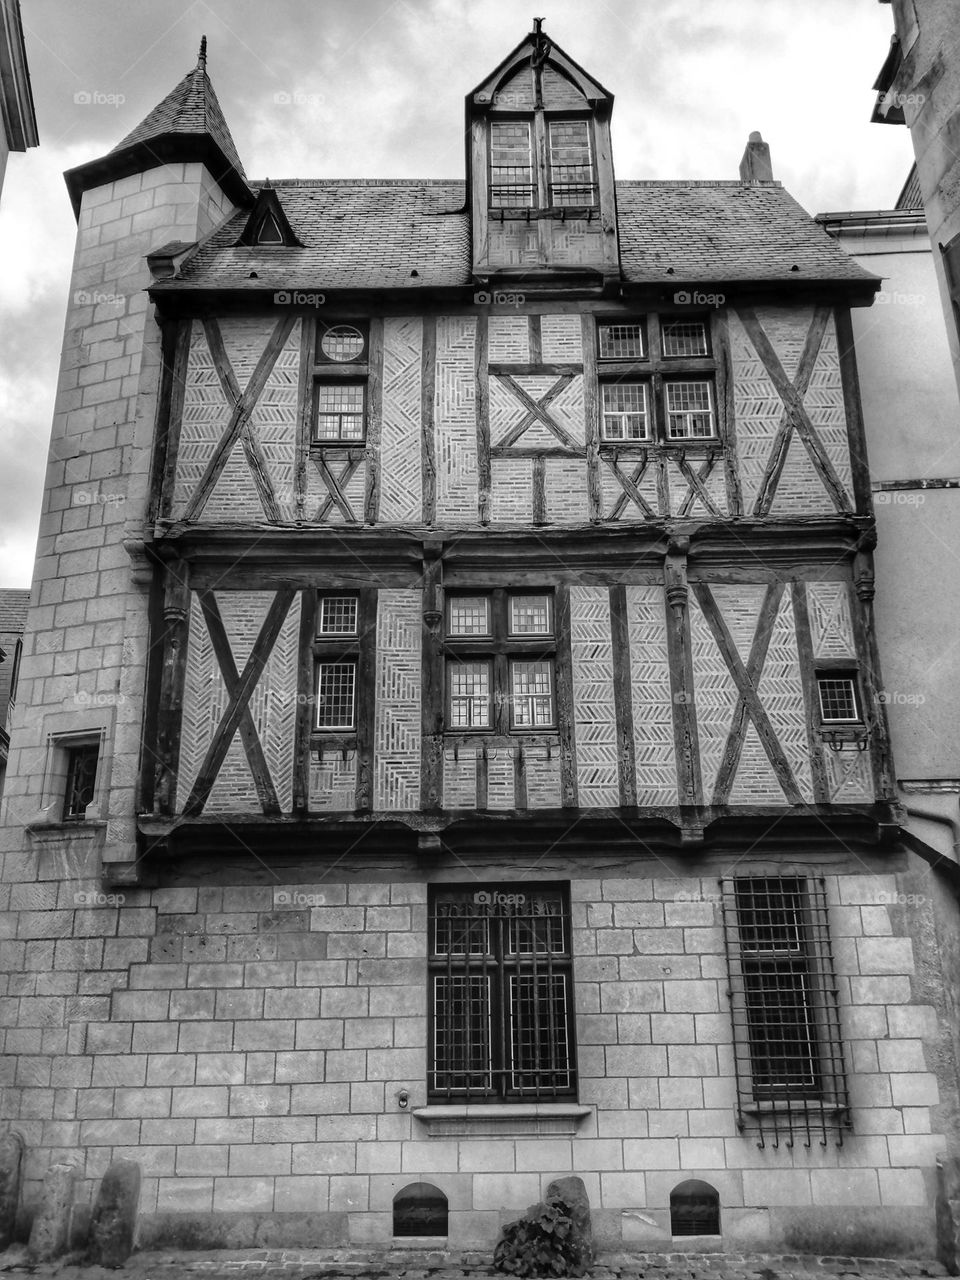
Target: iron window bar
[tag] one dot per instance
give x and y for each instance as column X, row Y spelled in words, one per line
column 501, row 1007
column 81, row 781
column 788, row 1052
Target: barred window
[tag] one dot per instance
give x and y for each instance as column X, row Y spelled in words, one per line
column 501, row 1016
column 625, row 411
column 684, row 338
column 788, row 1054
column 340, row 412
column 500, row 651
column 511, row 165
column 81, row 781
column 571, row 165
column 689, row 410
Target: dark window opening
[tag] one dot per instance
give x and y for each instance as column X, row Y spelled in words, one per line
column 269, row 232
column 694, row 1209
column 81, row 781
column 420, row 1210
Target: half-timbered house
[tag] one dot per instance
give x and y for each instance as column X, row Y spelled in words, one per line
column 449, row 749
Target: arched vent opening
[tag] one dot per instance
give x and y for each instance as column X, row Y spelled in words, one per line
column 694, row 1209
column 420, row 1210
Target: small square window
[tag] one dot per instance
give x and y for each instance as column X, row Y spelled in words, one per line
column 340, row 412
column 81, row 781
column 468, row 616
column 338, row 616
column 839, row 703
column 469, row 694
column 336, row 695
column 684, row 338
column 626, row 414
column 530, row 615
column 622, row 341
column 689, row 410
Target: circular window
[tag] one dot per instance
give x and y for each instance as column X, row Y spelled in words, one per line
column 342, row 343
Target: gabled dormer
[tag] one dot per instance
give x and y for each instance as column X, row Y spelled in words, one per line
column 268, row 226
column 540, row 168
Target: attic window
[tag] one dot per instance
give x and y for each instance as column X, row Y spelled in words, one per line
column 269, row 232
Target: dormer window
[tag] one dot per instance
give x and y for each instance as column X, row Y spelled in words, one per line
column 569, row 180
column 269, row 232
column 511, row 165
column 571, row 164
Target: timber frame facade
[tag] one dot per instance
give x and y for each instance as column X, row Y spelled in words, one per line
column 475, row 644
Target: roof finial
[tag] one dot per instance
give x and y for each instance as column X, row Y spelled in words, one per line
column 202, row 60
column 537, row 26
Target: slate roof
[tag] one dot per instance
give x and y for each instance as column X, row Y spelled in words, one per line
column 190, row 108
column 14, row 603
column 369, row 234
column 911, row 196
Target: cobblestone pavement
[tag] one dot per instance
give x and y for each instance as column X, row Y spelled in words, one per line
column 405, row 1264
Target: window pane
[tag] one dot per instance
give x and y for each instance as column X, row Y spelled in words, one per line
column 530, row 616
column 468, row 616
column 343, row 342
column 339, row 411
column 684, row 337
column 621, row 342
column 338, row 616
column 571, row 172
column 511, row 168
column 838, row 699
column 770, row 913
column 624, row 411
column 335, row 695
column 460, row 932
column 539, row 1048
column 461, row 1031
column 469, row 695
column 689, row 410
column 783, row 1047
column 81, row 780
column 532, row 694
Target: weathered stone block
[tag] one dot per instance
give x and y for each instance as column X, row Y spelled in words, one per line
column 11, row 1170
column 114, row 1223
column 50, row 1233
column 948, row 1213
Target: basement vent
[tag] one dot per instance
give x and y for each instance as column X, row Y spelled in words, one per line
column 694, row 1210
column 420, row 1210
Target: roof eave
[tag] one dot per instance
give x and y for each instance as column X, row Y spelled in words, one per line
column 167, row 148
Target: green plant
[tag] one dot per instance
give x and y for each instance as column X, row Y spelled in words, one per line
column 541, row 1243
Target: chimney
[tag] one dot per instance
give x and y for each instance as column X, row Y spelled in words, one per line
column 755, row 165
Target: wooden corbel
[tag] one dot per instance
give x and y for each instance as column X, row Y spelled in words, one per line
column 675, row 573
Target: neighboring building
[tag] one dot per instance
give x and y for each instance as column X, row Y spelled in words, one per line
column 452, row 747
column 13, row 618
column 919, row 85
column 912, row 426
column 18, row 120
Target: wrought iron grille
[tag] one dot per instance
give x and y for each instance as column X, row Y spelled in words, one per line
column 788, row 1053
column 500, row 994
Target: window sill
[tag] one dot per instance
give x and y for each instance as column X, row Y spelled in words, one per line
column 502, row 1120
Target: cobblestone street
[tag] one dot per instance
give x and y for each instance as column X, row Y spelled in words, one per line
column 406, row 1264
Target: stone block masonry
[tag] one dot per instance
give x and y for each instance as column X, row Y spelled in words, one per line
column 248, row 1046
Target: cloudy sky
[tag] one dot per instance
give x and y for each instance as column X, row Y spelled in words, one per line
column 377, row 89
